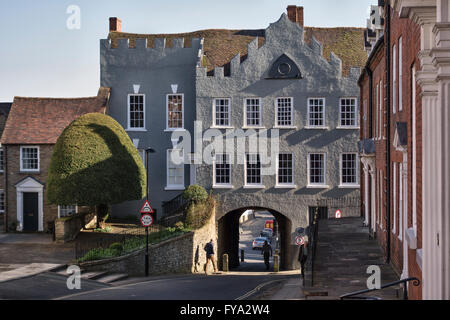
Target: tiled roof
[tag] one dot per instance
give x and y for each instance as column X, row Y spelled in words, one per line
column 42, row 120
column 222, row 45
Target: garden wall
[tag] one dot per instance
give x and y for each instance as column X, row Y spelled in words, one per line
column 182, row 254
column 67, row 228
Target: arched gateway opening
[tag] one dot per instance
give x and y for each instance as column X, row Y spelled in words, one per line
column 228, row 237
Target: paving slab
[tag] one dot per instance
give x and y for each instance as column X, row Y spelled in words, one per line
column 27, row 271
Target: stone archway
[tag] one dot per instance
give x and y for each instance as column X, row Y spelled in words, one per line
column 228, row 237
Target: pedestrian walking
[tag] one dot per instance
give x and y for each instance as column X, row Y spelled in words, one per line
column 302, row 257
column 267, row 252
column 209, row 248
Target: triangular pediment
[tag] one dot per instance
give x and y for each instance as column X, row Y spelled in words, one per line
column 29, row 182
column 284, row 68
column 400, row 141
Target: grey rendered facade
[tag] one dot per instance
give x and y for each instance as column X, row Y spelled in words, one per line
column 251, row 79
column 153, row 73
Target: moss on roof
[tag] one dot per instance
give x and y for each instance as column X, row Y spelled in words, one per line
column 221, row 45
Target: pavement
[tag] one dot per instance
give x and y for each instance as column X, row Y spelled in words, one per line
column 344, row 252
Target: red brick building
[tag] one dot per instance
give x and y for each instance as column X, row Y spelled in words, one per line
column 391, row 140
column 31, row 131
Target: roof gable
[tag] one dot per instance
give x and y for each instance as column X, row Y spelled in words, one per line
column 42, row 120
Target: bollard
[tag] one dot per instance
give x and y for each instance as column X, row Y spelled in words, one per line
column 225, row 262
column 276, row 267
column 242, row 255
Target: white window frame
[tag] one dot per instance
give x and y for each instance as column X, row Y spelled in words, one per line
column 253, row 185
column 355, row 126
column 222, row 185
column 129, row 128
column 414, row 150
column 4, row 200
column 260, row 125
column 214, row 119
column 291, row 125
column 290, row 185
column 167, row 111
column 400, row 202
column 308, row 167
column 400, row 74
column 377, row 120
column 174, row 186
column 341, row 167
column 324, row 125
column 394, row 79
column 2, row 160
column 38, row 155
column 59, row 210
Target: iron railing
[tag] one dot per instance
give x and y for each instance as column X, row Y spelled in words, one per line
column 355, row 295
column 175, row 206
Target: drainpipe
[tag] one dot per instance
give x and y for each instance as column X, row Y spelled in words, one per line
column 387, row 39
column 5, row 172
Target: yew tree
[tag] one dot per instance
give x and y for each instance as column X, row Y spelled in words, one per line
column 94, row 163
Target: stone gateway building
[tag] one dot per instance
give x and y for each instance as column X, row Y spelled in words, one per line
column 281, row 83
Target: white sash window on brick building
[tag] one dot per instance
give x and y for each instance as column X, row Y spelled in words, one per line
column 2, row 201
column 222, row 112
column 316, row 112
column 253, row 112
column 64, row 211
column 29, row 158
column 284, row 112
column 1, row 160
column 175, row 108
column 136, row 111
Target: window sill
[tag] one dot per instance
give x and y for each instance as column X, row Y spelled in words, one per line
column 174, row 129
column 347, row 128
column 349, row 186
column 135, row 130
column 317, row 186
column 285, row 186
column 255, row 127
column 285, row 127
column 254, row 187
column 225, row 186
column 316, row 128
column 30, row 171
column 221, row 127
column 174, row 188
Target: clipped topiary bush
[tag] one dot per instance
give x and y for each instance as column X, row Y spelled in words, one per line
column 94, row 163
column 195, row 193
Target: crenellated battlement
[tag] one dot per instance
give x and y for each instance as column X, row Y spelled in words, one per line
column 152, row 43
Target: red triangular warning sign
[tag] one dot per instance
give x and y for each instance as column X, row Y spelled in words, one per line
column 146, row 208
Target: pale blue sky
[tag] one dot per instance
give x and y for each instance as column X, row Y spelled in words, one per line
column 40, row 56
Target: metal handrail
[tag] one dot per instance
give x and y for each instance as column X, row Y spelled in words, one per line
column 415, row 282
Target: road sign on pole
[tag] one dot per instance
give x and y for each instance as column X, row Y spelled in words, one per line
column 146, row 208
column 299, row 240
column 146, row 220
column 338, row 214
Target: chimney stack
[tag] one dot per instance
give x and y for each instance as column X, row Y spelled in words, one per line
column 295, row 14
column 115, row 24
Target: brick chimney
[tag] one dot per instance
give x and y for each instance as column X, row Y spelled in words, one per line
column 115, row 24
column 295, row 14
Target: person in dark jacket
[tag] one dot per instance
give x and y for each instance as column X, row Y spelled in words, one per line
column 302, row 257
column 209, row 248
column 267, row 252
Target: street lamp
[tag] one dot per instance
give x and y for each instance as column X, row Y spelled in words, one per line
column 147, row 151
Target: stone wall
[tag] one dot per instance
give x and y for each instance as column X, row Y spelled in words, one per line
column 183, row 254
column 68, row 228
